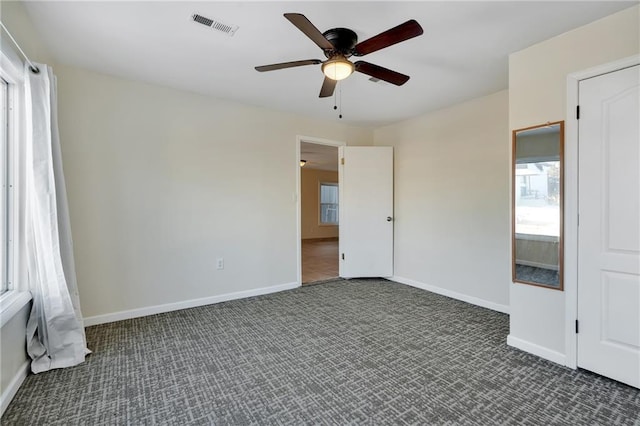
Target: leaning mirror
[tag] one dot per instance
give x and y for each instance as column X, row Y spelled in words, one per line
column 537, row 205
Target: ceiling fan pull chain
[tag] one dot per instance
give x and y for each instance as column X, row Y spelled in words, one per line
column 340, row 100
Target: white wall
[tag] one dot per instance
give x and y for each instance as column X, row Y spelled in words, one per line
column 162, row 182
column 537, row 94
column 15, row 18
column 451, row 174
column 537, row 75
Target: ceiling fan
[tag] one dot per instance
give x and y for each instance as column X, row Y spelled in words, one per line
column 339, row 44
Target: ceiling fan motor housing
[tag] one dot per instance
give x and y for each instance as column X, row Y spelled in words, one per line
column 343, row 40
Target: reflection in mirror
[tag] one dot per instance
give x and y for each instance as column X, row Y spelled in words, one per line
column 537, row 205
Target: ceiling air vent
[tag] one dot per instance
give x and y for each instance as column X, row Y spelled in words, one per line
column 229, row 30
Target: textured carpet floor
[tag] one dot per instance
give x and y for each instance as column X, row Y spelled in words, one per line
column 537, row 275
column 356, row 352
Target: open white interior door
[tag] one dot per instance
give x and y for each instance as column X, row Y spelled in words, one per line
column 609, row 227
column 366, row 211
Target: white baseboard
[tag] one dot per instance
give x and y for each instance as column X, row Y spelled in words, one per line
column 541, row 351
column 14, row 385
column 159, row 309
column 454, row 295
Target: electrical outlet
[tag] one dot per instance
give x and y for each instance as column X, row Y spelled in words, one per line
column 220, row 263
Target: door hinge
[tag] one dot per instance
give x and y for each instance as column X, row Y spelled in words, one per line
column 576, row 326
column 342, row 256
column 577, row 112
column 342, row 161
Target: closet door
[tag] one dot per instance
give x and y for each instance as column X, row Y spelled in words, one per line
column 609, row 226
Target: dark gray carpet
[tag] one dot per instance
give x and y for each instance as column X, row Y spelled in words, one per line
column 356, row 352
column 537, row 275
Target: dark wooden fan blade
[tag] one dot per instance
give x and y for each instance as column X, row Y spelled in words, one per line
column 382, row 73
column 292, row 64
column 328, row 86
column 402, row 32
column 304, row 25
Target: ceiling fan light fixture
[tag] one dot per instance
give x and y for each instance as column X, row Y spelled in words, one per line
column 337, row 68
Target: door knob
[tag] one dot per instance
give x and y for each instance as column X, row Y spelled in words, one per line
column 389, row 219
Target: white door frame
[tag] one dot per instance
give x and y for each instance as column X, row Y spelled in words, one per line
column 298, row 195
column 571, row 201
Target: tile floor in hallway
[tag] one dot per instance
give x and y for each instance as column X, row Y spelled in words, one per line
column 319, row 260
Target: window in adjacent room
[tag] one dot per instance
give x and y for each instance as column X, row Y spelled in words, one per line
column 328, row 203
column 538, row 198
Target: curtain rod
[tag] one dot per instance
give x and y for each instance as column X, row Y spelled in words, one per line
column 34, row 69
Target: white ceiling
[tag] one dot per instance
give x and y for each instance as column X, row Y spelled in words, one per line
column 463, row 53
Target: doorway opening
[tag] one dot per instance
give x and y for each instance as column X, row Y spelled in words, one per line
column 319, row 210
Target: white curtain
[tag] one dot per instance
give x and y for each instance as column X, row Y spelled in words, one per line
column 55, row 331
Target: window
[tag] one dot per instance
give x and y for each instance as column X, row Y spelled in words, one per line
column 328, row 203
column 4, row 184
column 538, row 198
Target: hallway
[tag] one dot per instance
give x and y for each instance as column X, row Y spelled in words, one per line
column 319, row 260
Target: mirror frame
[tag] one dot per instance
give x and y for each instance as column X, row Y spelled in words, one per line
column 515, row 132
